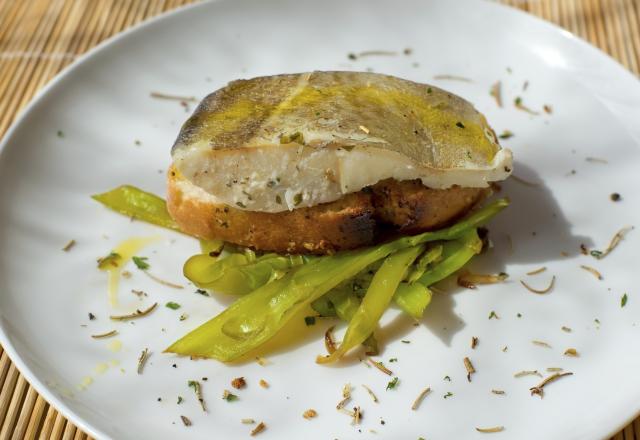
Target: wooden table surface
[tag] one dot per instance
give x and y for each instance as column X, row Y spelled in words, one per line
column 38, row 38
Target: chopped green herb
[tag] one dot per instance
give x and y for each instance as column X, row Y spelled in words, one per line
column 172, row 305
column 297, row 199
column 137, row 142
column 295, row 137
column 623, row 300
column 278, row 200
column 393, row 360
column 506, row 134
column 180, row 400
column 183, row 317
column 110, row 260
column 449, row 394
column 405, row 341
column 519, row 315
column 459, row 124
column 60, row 134
column 447, row 378
column 241, row 205
column 615, row 197
column 310, row 320
column 596, row 254
column 141, row 262
column 493, row 315
column 229, row 397
column 202, row 292
column 518, row 101
column 352, row 56
column 392, row 384
column 429, row 90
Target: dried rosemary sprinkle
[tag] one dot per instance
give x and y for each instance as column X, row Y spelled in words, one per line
column 500, row 392
column 357, row 415
column 380, row 366
column 346, row 396
column 238, row 383
column 262, row 361
column 371, row 393
column 474, row 342
column 539, row 388
column 592, row 271
column 493, row 314
column 329, row 343
column 623, row 300
column 469, row 366
column 186, row 421
column 527, row 373
column 541, row 344
column 490, row 430
column 617, row 238
column 258, row 429
column 469, row 280
column 159, row 95
column 496, row 92
column 310, row 414
column 67, row 247
column 596, row 160
column 565, row 329
column 540, row 291
column 134, row 315
column 163, row 282
column 198, row 390
column 537, row 271
column 452, row 78
column 142, row 360
column 506, row 134
column 571, row 352
column 105, row 335
column 416, row 403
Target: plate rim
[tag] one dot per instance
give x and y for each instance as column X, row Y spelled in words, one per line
column 44, row 390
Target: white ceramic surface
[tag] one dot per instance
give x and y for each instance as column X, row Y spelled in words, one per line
column 102, row 105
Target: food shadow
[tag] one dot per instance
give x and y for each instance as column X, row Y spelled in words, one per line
column 533, row 230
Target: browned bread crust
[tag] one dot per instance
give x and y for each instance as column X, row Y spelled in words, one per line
column 355, row 220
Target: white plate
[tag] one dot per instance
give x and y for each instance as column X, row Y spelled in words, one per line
column 102, row 106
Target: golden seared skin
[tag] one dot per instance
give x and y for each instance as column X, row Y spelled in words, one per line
column 357, row 219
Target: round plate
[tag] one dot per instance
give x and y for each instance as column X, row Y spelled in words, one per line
column 96, row 127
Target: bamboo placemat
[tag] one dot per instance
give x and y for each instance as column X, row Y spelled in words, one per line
column 40, row 37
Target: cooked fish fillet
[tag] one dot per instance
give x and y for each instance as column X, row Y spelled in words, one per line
column 278, row 143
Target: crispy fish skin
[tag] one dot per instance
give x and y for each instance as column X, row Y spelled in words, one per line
column 358, row 219
column 362, row 127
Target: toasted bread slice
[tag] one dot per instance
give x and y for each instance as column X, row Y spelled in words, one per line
column 357, row 219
